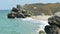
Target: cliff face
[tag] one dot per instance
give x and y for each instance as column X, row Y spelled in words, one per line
column 39, row 8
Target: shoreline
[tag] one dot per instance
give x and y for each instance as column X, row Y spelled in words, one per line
column 43, row 18
column 39, row 17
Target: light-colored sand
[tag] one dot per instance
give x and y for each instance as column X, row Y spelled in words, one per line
column 43, row 18
column 39, row 17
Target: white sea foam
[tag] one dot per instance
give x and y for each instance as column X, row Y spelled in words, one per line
column 27, row 19
column 41, row 22
column 42, row 26
column 35, row 21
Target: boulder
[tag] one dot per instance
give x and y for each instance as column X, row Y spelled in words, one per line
column 11, row 16
column 18, row 13
column 54, row 25
column 16, row 16
column 14, row 10
column 54, row 20
column 51, row 29
column 19, row 16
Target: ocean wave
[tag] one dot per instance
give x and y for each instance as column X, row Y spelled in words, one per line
column 41, row 22
column 35, row 21
column 27, row 19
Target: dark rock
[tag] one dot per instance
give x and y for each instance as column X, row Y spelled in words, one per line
column 16, row 16
column 54, row 26
column 54, row 20
column 14, row 10
column 11, row 16
column 18, row 13
column 18, row 7
column 25, row 13
column 51, row 29
column 19, row 16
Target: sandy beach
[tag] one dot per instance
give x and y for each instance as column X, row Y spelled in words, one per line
column 39, row 17
column 44, row 20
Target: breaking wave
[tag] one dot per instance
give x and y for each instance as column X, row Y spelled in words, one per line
column 41, row 22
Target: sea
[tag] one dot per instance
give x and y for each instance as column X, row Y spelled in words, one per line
column 19, row 25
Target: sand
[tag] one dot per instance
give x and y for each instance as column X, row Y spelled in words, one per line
column 39, row 17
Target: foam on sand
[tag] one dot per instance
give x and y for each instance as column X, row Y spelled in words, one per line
column 41, row 22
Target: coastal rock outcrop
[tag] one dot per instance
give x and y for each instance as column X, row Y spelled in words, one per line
column 18, row 13
column 11, row 16
column 54, row 25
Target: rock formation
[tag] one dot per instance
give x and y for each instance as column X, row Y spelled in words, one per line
column 18, row 13
column 54, row 27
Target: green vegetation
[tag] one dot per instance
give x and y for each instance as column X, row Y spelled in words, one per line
column 39, row 8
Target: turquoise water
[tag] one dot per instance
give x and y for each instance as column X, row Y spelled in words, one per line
column 16, row 26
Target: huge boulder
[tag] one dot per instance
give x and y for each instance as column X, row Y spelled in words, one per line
column 16, row 15
column 54, row 20
column 54, row 25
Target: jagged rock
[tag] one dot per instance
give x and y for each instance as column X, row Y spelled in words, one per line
column 11, row 16
column 18, row 13
column 54, row 25
column 16, row 16
column 14, row 10
column 54, row 20
column 51, row 29
column 25, row 13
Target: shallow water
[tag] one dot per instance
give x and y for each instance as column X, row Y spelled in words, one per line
column 17, row 26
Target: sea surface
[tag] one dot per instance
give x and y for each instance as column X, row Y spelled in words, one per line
column 19, row 25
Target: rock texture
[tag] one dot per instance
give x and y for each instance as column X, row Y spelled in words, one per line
column 18, row 13
column 54, row 27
